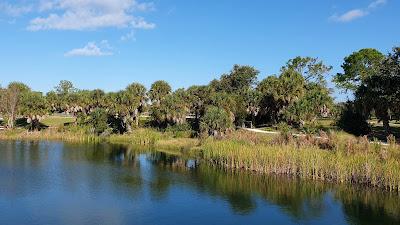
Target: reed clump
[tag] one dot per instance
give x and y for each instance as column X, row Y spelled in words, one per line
column 177, row 143
column 247, row 137
column 138, row 137
column 329, row 158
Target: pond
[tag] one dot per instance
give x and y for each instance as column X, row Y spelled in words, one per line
column 62, row 183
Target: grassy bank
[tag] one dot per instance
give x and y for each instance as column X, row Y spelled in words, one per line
column 335, row 158
column 332, row 159
column 143, row 136
column 48, row 134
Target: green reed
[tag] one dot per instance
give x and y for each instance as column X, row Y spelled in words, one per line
column 19, row 134
column 138, row 137
column 353, row 161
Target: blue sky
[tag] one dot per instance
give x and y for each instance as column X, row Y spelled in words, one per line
column 110, row 43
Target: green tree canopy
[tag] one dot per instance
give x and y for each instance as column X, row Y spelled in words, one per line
column 197, row 98
column 298, row 94
column 172, row 109
column 240, row 78
column 312, row 69
column 98, row 120
column 158, row 91
column 11, row 100
column 216, row 121
column 357, row 67
column 33, row 107
column 381, row 91
column 65, row 87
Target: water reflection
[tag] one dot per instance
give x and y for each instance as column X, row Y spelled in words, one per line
column 152, row 179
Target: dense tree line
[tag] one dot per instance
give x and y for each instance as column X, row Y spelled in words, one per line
column 298, row 95
column 375, row 80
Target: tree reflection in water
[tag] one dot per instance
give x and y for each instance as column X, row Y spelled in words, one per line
column 135, row 171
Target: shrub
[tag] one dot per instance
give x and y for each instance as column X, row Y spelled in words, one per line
column 310, row 128
column 98, row 121
column 180, row 130
column 352, row 121
column 215, row 122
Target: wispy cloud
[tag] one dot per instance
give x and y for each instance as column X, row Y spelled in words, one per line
column 144, row 6
column 140, row 23
column 350, row 15
column 129, row 36
column 14, row 10
column 90, row 15
column 81, row 14
column 357, row 13
column 376, row 4
column 91, row 49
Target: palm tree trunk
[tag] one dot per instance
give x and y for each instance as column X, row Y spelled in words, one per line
column 127, row 124
column 137, row 120
column 136, row 115
column 10, row 123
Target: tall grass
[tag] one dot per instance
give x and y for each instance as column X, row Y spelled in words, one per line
column 347, row 161
column 49, row 134
column 331, row 157
column 177, row 144
column 138, row 137
column 144, row 136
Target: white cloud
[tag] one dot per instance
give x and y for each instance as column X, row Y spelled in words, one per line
column 144, row 6
column 140, row 23
column 350, row 15
column 83, row 14
column 377, row 3
column 79, row 20
column 128, row 36
column 14, row 10
column 357, row 13
column 45, row 5
column 91, row 49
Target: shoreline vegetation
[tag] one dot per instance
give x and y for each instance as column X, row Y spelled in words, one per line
column 336, row 158
column 202, row 120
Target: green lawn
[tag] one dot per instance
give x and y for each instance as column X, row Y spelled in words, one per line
column 56, row 121
column 326, row 123
column 379, row 132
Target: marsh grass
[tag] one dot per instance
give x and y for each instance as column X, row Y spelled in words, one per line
column 345, row 160
column 333, row 157
column 49, row 134
column 177, row 143
column 138, row 137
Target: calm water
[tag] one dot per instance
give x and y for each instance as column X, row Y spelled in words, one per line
column 59, row 183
